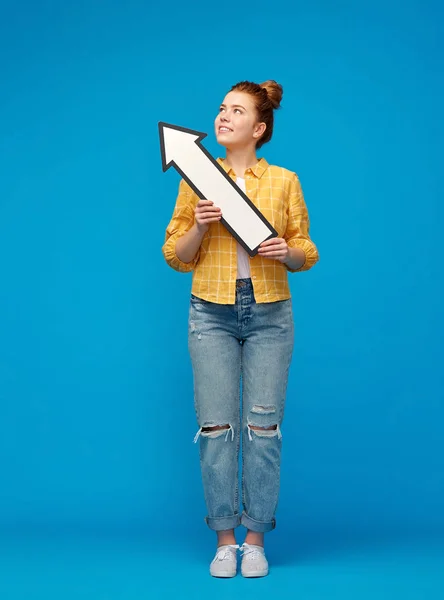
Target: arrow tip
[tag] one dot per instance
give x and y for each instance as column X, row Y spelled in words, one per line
column 175, row 140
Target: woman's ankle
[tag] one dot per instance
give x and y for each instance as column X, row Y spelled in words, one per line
column 255, row 538
column 225, row 538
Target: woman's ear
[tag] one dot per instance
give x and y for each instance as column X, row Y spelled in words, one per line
column 259, row 130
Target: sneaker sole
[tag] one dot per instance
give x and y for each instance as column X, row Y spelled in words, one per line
column 255, row 574
column 223, row 574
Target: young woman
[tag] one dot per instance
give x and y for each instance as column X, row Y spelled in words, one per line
column 241, row 326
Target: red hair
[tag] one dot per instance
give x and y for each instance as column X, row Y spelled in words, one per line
column 267, row 97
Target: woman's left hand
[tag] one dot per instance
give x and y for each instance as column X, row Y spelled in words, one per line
column 276, row 248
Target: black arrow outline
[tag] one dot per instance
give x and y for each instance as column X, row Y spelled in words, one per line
column 172, row 163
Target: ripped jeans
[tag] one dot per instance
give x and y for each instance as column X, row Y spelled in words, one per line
column 227, row 342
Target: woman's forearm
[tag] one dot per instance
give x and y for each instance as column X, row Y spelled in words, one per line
column 187, row 246
column 296, row 258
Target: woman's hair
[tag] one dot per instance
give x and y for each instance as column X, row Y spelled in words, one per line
column 267, row 97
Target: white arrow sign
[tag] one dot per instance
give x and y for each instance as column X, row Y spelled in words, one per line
column 182, row 149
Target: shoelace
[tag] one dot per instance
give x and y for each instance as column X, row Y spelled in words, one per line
column 226, row 552
column 251, row 553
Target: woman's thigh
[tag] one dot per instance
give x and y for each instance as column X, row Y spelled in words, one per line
column 266, row 357
column 215, row 354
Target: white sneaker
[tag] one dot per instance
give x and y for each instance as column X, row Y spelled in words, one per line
column 254, row 563
column 224, row 564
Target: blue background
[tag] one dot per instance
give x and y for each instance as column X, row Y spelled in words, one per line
column 96, row 411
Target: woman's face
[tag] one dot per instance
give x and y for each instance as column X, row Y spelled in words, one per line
column 236, row 125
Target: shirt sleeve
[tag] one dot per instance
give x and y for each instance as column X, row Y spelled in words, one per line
column 298, row 227
column 181, row 222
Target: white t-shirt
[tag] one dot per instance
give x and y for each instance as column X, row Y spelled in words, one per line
column 243, row 258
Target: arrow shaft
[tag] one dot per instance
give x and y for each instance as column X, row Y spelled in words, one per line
column 212, row 184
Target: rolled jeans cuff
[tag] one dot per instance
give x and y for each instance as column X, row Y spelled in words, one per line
column 223, row 523
column 257, row 526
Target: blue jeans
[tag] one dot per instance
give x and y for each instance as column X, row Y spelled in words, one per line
column 227, row 342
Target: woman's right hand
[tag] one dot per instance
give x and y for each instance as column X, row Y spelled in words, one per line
column 206, row 213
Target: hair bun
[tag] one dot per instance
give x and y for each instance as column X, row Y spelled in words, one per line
column 274, row 91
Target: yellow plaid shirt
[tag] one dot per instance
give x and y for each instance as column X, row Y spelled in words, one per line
column 277, row 193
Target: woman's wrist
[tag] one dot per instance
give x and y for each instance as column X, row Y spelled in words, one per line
column 295, row 259
column 187, row 246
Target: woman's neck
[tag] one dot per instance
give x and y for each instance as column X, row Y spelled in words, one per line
column 241, row 160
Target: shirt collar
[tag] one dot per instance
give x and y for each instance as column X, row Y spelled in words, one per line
column 258, row 170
